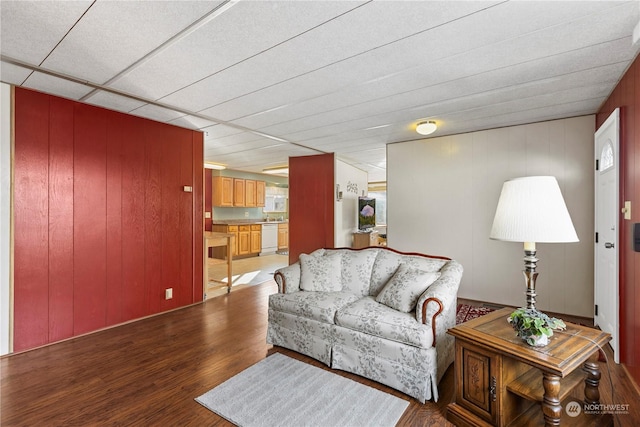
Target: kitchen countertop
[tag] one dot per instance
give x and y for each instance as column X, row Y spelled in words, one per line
column 245, row 221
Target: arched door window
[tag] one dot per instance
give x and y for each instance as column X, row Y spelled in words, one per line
column 606, row 157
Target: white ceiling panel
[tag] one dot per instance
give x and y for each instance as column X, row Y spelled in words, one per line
column 192, row 122
column 30, row 30
column 265, row 80
column 56, row 86
column 406, row 85
column 213, row 147
column 114, row 102
column 459, row 36
column 112, row 35
column 362, row 29
column 157, row 113
column 13, row 74
column 242, row 31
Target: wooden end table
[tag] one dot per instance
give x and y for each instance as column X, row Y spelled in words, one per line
column 502, row 381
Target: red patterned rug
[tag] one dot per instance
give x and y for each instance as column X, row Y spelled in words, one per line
column 466, row 312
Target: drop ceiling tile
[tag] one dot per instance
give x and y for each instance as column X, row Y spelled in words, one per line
column 113, row 102
column 154, row 112
column 13, row 74
column 242, row 31
column 112, row 35
column 220, row 131
column 214, row 147
column 56, row 86
column 239, row 141
column 29, row 30
column 341, row 38
column 192, row 122
column 394, row 93
column 387, row 61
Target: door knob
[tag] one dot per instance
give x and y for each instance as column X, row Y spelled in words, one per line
column 609, row 245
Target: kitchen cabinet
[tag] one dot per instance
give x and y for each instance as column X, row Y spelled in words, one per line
column 238, row 192
column 244, row 239
column 260, row 193
column 256, row 238
column 222, row 191
column 224, row 228
column 250, row 193
column 247, row 239
column 230, row 192
column 283, row 236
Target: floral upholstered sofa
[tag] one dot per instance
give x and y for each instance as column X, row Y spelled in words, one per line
column 376, row 312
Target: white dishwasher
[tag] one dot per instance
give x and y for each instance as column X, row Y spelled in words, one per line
column 269, row 238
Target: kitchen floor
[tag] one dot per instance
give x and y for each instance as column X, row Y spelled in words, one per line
column 246, row 272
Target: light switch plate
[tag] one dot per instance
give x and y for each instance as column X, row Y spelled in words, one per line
column 627, row 209
column 207, row 214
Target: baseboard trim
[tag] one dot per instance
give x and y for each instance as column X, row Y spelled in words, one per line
column 631, row 379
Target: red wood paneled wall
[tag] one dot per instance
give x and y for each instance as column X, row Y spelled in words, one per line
column 311, row 204
column 102, row 224
column 626, row 95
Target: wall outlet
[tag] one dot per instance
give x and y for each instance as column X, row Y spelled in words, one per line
column 246, row 214
column 168, row 293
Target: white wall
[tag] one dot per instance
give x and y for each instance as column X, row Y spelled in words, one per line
column 442, row 195
column 353, row 182
column 5, row 216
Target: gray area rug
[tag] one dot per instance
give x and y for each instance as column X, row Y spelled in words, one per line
column 281, row 391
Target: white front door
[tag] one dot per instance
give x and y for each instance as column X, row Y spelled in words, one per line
column 606, row 293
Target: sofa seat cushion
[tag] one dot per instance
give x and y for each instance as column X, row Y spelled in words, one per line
column 320, row 306
column 370, row 317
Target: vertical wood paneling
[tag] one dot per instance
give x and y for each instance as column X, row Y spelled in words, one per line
column 197, row 178
column 185, row 294
column 89, row 219
column 61, row 219
column 153, row 216
column 31, row 222
column 171, row 198
column 626, row 96
column 133, row 213
column 102, row 225
column 114, row 218
column 311, row 207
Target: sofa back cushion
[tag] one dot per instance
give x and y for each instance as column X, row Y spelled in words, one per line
column 321, row 273
column 357, row 266
column 387, row 263
column 405, row 287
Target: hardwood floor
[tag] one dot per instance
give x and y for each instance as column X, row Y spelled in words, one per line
column 246, row 272
column 147, row 373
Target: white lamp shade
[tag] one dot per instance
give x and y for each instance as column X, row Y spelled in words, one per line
column 532, row 209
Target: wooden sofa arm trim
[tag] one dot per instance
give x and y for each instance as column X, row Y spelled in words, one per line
column 433, row 319
column 284, row 281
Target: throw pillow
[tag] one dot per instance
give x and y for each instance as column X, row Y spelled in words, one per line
column 321, row 273
column 405, row 287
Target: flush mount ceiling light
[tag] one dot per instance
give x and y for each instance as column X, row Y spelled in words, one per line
column 426, row 128
column 280, row 170
column 216, row 166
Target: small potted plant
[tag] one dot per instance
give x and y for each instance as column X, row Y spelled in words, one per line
column 534, row 326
